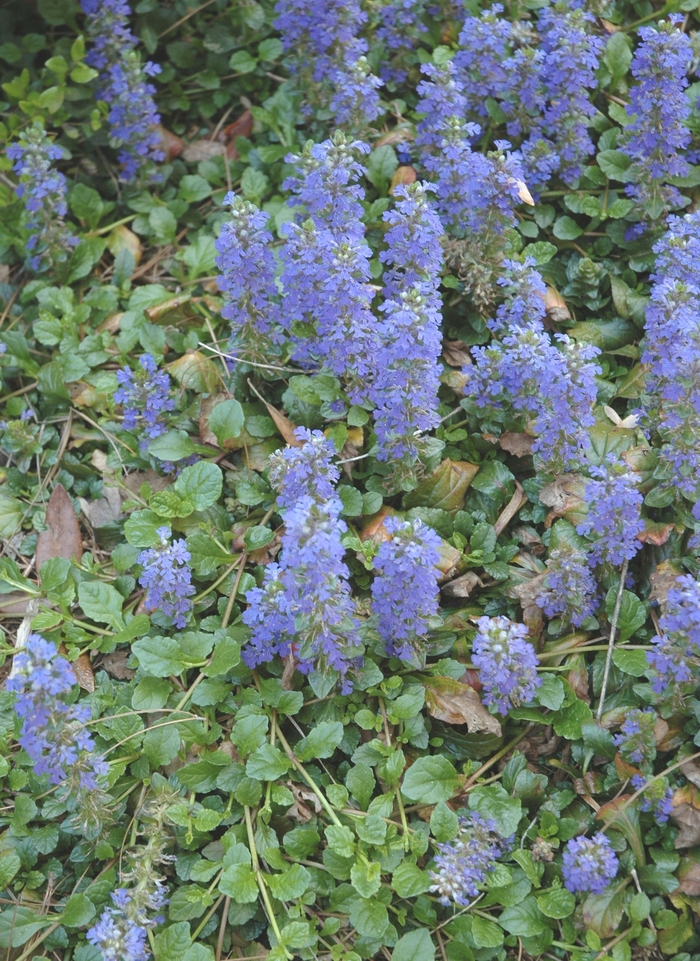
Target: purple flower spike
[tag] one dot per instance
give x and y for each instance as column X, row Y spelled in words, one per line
column 589, row 864
column 506, row 661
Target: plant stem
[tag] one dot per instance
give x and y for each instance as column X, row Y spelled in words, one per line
column 261, row 880
column 611, row 642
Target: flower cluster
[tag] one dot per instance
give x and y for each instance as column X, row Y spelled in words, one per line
column 247, row 277
column 636, row 740
column 167, row 578
column 53, row 732
column 506, row 662
column 121, row 933
column 659, row 112
column 306, row 471
column 407, row 383
column 324, row 46
column 400, row 24
column 613, row 520
column 672, row 351
column 676, row 652
column 43, row 191
column 589, row 864
column 569, row 588
column 657, row 796
column 145, row 394
column 304, row 606
column 463, row 864
column 123, row 86
column 405, row 591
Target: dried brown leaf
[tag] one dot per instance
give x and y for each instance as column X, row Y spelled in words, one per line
column 686, row 813
column 82, row 668
column 463, row 586
column 203, row 150
column 519, row 445
column 405, row 174
column 62, row 537
column 565, row 495
column 170, row 143
column 655, row 533
column 445, row 488
column 689, row 875
column 241, row 127
column 518, row 499
column 456, row 353
column 121, row 238
column 661, row 581
column 451, row 701
column 115, row 665
column 555, row 306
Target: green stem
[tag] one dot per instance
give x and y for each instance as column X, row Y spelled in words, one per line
column 109, row 227
column 404, row 822
column 216, row 583
column 261, row 880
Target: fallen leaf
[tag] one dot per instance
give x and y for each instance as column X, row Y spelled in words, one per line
column 451, row 701
column 445, row 488
column 115, row 665
column 134, row 481
column 105, row 510
column 203, row 150
column 62, row 537
column 16, row 603
column 121, row 238
column 82, row 668
column 522, row 191
column 533, row 619
column 661, row 582
column 555, row 306
column 405, row 174
column 689, row 769
column 530, row 539
column 565, row 495
column 395, row 135
column 241, row 127
column 577, row 676
column 456, row 353
column 655, row 533
column 170, row 143
column 455, row 380
column 518, row 499
column 450, row 559
column 300, row 810
column 282, row 422
column 528, row 590
column 686, row 813
column 519, row 445
column 159, row 311
column 689, row 875
column 463, row 586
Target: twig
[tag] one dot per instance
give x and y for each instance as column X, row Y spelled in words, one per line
column 182, row 20
column 244, row 360
column 611, row 643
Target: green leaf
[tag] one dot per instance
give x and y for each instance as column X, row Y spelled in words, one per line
column 369, row 917
column 174, row 445
column 551, row 692
column 200, row 484
column 254, row 184
column 140, row 528
column 242, row 62
column 630, row 662
column 352, row 500
column 492, row 802
column 86, row 204
column 566, row 228
column 270, row 50
column 409, row 880
column 78, row 912
column 639, row 907
column 524, row 919
column 366, row 878
column 445, row 488
column 614, row 164
column 226, row 420
column 633, row 613
column 381, row 164
column 163, row 224
column 556, row 903
column 321, row 741
column 102, row 603
column 602, row 913
column 161, row 744
column 444, row 823
column 415, row 946
column 194, row 188
column 361, row 783
column 173, row 942
column 292, row 884
column 249, row 733
column 17, row 925
column 267, row 763
column 11, row 513
column 159, row 656
column 617, row 57
column 486, row 934
column 429, row 780
column 256, row 537
column 9, row 866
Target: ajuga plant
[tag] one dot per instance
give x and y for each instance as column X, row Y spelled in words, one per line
column 42, row 190
column 463, row 865
column 124, row 87
column 145, row 396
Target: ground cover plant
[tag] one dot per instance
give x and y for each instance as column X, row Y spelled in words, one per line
column 349, row 480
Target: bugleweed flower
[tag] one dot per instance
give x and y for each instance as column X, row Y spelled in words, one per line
column 327, row 183
column 123, row 86
column 589, row 864
column 247, row 276
column 305, row 471
column 613, row 519
column 657, row 797
column 569, row 62
column 400, row 24
column 121, row 933
column 167, row 578
column 53, row 732
column 506, row 662
column 483, row 59
column 672, row 351
column 525, row 293
column 636, row 741
column 43, row 192
column 659, row 110
column 569, row 588
column 463, row 864
column 552, row 388
column 324, row 44
column 304, row 605
column 405, row 591
column 327, row 303
column 676, row 653
column 407, row 379
column 145, row 394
